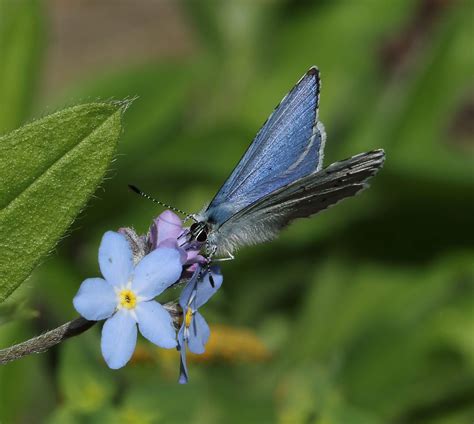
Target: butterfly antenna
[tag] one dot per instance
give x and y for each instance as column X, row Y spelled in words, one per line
column 147, row 196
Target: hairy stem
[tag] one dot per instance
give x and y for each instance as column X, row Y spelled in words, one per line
column 53, row 337
column 45, row 341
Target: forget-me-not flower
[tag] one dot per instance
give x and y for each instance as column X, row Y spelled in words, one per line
column 124, row 297
column 194, row 331
column 167, row 227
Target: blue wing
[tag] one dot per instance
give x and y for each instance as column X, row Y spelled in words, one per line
column 264, row 219
column 289, row 146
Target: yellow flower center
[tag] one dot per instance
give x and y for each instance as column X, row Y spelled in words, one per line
column 127, row 299
column 187, row 317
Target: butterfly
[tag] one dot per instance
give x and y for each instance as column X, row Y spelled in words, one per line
column 280, row 177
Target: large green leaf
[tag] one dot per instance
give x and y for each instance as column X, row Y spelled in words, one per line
column 21, row 44
column 48, row 170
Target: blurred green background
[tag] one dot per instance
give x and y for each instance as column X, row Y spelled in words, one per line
column 364, row 314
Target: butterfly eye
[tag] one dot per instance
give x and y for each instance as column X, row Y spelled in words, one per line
column 193, row 227
column 202, row 237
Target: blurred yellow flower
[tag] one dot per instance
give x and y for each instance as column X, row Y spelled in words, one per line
column 226, row 344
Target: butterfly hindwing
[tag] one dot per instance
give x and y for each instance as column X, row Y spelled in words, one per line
column 265, row 218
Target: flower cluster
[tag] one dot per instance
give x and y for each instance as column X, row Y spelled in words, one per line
column 136, row 269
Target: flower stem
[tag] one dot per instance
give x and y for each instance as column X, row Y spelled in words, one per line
column 53, row 337
column 45, row 341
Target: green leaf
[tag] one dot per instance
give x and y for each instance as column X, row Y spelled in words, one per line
column 21, row 45
column 49, row 170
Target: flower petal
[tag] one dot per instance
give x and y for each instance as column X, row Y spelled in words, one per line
column 201, row 284
column 193, row 257
column 205, row 289
column 183, row 368
column 156, row 324
column 153, row 234
column 167, row 225
column 95, row 299
column 115, row 258
column 119, row 337
column 156, row 272
column 173, row 244
column 190, row 286
column 199, row 333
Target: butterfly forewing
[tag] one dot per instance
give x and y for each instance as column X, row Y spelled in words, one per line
column 289, row 146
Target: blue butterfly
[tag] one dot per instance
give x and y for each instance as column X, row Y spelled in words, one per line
column 280, row 177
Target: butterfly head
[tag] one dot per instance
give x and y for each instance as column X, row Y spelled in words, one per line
column 199, row 231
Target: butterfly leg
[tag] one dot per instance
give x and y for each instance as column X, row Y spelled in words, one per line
column 210, row 251
column 230, row 257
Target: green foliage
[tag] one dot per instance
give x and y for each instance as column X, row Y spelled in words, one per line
column 17, row 382
column 21, row 44
column 86, row 385
column 367, row 308
column 52, row 166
